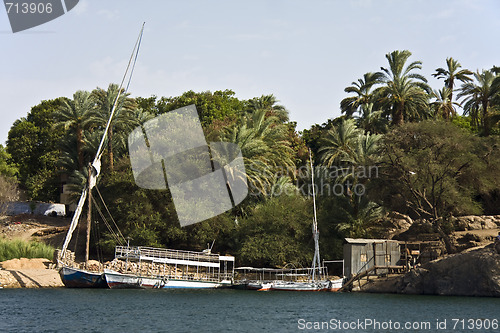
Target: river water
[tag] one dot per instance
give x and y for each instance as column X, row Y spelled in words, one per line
column 80, row 310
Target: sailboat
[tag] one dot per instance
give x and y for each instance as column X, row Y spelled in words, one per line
column 140, row 266
column 318, row 280
column 71, row 275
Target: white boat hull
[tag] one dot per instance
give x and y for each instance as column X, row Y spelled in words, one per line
column 304, row 286
column 119, row 281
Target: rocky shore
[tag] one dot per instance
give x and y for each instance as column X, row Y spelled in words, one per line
column 474, row 272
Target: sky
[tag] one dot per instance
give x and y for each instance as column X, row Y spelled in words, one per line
column 303, row 52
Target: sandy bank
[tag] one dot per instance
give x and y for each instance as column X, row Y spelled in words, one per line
column 28, row 273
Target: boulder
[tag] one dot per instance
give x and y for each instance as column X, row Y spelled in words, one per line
column 476, row 222
column 475, row 272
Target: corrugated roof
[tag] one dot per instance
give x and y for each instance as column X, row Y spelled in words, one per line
column 368, row 241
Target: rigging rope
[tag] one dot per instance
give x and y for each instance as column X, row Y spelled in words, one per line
column 112, row 232
column 113, row 109
column 135, row 59
column 109, row 213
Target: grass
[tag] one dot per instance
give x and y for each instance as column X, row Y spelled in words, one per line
column 11, row 249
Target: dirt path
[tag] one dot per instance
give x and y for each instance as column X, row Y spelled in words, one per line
column 50, row 230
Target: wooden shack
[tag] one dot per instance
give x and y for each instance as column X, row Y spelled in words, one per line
column 364, row 255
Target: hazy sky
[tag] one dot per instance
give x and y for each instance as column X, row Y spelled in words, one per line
column 303, row 52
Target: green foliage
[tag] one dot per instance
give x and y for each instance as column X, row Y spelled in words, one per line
column 266, row 149
column 210, row 106
column 7, row 169
column 464, row 122
column 404, row 95
column 278, row 232
column 481, row 99
column 33, row 146
column 435, row 169
column 16, row 249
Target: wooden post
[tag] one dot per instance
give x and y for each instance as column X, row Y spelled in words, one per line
column 89, row 216
column 375, row 257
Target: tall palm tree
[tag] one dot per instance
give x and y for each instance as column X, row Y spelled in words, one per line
column 452, row 73
column 74, row 114
column 443, row 105
column 123, row 120
column 480, row 96
column 405, row 93
column 361, row 88
column 355, row 155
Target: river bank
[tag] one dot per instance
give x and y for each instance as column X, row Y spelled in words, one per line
column 474, row 272
column 29, row 273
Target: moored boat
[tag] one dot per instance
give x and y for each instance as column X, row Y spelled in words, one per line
column 259, row 285
column 172, row 269
column 79, row 278
column 300, row 286
column 72, row 276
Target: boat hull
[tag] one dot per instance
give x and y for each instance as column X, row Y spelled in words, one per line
column 79, row 278
column 301, row 286
column 123, row 281
column 260, row 286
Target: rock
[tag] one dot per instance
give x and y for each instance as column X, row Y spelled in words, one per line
column 476, row 222
column 397, row 223
column 472, row 273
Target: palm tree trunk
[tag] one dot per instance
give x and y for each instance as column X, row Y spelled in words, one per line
column 450, row 86
column 485, row 121
column 397, row 117
column 79, row 147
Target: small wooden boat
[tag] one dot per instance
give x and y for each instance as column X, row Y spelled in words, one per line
column 259, row 285
column 79, row 278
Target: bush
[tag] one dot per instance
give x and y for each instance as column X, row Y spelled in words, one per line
column 15, row 249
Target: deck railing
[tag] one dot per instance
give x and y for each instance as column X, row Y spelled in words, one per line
column 151, row 253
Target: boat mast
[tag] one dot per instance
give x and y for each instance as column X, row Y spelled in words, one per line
column 89, row 218
column 316, row 261
column 95, row 167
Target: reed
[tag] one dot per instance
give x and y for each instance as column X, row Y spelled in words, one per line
column 11, row 249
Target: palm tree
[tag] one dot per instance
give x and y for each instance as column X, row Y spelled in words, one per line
column 480, row 96
column 405, row 94
column 356, row 218
column 452, row 73
column 123, row 120
column 371, row 121
column 443, row 105
column 74, row 114
column 352, row 151
column 355, row 154
column 262, row 139
column 350, row 105
column 268, row 103
column 340, row 143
